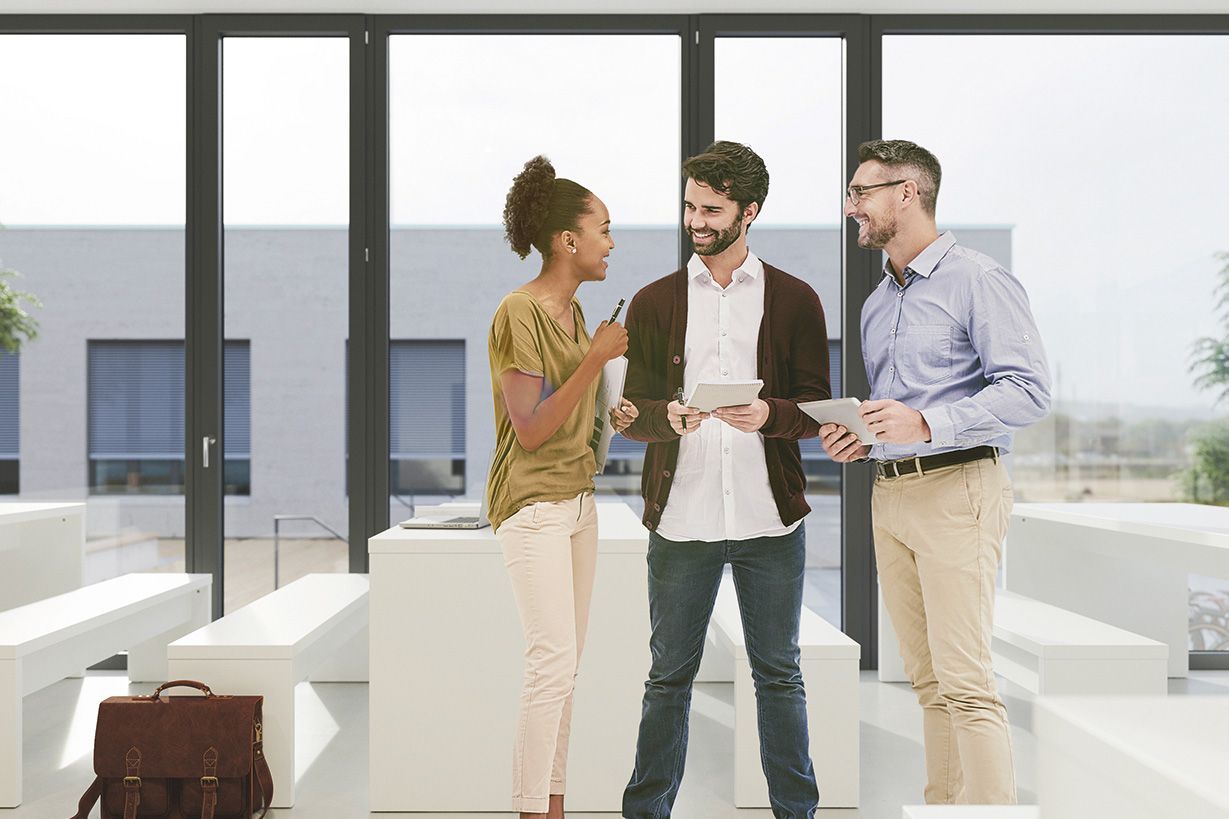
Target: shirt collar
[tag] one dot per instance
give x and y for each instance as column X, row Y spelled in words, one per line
column 928, row 259
column 751, row 267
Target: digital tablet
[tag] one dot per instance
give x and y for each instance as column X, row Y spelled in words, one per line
column 843, row 411
column 710, row 395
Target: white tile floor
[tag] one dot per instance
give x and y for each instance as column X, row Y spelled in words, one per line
column 332, row 751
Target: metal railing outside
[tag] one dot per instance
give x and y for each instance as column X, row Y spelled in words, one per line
column 277, row 537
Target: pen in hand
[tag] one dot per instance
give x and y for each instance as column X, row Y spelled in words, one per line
column 678, row 396
column 615, row 314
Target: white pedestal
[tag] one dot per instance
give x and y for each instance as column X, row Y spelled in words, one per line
column 446, row 669
column 42, row 549
column 1132, row 757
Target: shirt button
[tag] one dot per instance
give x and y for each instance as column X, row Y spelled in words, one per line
column 657, row 507
column 725, row 372
column 727, row 491
column 676, row 359
column 893, row 331
column 727, row 450
column 665, row 473
column 723, row 333
column 723, row 295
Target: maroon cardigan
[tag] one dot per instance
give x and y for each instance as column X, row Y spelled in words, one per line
column 793, row 362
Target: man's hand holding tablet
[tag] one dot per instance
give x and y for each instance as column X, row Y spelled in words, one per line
column 886, row 421
column 842, row 432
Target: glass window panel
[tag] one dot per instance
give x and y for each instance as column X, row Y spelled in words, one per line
column 1082, row 179
column 466, row 113
column 285, row 148
column 784, row 97
column 10, row 422
column 92, row 158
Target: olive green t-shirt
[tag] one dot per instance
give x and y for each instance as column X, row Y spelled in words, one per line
column 525, row 337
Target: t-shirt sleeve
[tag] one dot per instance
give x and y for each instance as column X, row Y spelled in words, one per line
column 515, row 341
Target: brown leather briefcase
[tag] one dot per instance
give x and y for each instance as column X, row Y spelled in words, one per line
column 179, row 757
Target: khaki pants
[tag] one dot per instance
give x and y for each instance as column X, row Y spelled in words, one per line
column 938, row 542
column 550, row 549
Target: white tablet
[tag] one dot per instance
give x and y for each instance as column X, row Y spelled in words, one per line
column 710, row 395
column 843, row 411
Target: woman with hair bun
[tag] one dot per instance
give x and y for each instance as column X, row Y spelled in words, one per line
column 544, row 376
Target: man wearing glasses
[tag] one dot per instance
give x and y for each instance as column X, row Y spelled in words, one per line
column 955, row 366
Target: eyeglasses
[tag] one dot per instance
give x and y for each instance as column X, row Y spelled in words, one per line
column 854, row 192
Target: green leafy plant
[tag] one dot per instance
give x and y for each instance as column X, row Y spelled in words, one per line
column 1207, row 480
column 1211, row 355
column 15, row 321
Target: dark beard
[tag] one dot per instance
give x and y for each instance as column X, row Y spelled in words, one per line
column 722, row 240
column 878, row 238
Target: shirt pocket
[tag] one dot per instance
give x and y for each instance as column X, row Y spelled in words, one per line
column 924, row 354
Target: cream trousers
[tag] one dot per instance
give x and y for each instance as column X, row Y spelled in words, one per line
column 550, row 549
column 938, row 542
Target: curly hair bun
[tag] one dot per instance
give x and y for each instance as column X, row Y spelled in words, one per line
column 528, row 204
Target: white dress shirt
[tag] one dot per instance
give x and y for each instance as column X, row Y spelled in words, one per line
column 720, row 489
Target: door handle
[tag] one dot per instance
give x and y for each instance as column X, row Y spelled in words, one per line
column 206, row 442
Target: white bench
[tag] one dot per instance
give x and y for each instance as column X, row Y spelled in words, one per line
column 44, row 642
column 829, row 662
column 1048, row 651
column 970, row 812
column 1132, row 757
column 315, row 627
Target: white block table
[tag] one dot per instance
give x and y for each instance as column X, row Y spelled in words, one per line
column 314, row 627
column 446, row 670
column 1133, row 757
column 829, row 663
column 1126, row 564
column 44, row 642
column 42, row 550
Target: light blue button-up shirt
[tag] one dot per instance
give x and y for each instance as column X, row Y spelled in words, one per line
column 959, row 344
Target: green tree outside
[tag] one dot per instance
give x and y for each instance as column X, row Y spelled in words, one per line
column 16, row 323
column 1207, row 480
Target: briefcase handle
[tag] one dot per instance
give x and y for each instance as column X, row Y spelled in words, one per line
column 181, row 684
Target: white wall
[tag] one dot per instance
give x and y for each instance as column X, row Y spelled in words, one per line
column 621, row 6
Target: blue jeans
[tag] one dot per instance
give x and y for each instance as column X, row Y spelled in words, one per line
column 683, row 583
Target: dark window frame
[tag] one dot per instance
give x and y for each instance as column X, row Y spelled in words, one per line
column 367, row 475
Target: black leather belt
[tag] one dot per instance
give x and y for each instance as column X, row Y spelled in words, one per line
column 927, row 463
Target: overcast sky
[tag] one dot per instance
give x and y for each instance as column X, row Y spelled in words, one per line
column 1102, row 154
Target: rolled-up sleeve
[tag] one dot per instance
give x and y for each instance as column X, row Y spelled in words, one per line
column 1004, row 335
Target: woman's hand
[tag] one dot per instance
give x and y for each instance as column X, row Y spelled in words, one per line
column 609, row 341
column 623, row 415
